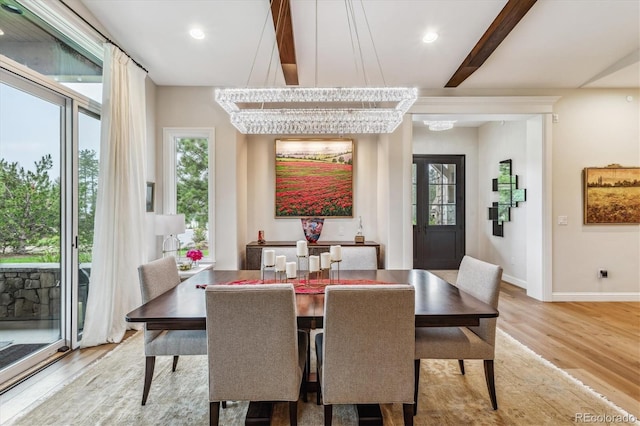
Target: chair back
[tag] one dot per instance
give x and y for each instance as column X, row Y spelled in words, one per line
column 252, row 343
column 358, row 258
column 481, row 280
column 157, row 277
column 369, row 344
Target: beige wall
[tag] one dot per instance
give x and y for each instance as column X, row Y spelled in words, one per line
column 595, row 127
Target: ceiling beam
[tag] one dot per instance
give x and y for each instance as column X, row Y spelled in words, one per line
column 281, row 14
column 506, row 21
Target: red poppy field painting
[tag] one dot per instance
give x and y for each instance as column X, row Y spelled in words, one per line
column 314, row 177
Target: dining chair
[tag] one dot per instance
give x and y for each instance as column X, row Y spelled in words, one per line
column 482, row 281
column 156, row 278
column 256, row 352
column 365, row 354
column 358, row 258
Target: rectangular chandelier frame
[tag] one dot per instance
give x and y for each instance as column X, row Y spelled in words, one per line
column 316, row 110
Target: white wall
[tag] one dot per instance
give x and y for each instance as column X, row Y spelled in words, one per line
column 457, row 141
column 261, row 194
column 500, row 141
column 595, row 128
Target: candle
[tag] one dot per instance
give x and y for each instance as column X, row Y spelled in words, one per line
column 269, row 257
column 336, row 253
column 314, row 263
column 325, row 260
column 301, row 248
column 291, row 269
column 281, row 263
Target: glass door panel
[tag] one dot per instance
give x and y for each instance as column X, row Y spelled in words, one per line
column 32, row 288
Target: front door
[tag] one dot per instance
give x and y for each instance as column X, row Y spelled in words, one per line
column 438, row 211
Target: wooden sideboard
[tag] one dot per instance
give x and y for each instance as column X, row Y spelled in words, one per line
column 254, row 250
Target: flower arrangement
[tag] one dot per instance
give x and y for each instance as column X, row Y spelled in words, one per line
column 194, row 254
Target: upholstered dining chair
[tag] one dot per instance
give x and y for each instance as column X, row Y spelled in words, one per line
column 365, row 354
column 256, row 352
column 358, row 258
column 157, row 277
column 481, row 280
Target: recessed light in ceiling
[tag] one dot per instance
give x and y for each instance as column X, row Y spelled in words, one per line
column 197, row 33
column 430, row 37
column 1, row 32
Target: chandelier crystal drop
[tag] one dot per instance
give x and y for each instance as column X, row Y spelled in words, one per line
column 316, row 110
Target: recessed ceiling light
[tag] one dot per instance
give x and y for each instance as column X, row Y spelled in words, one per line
column 1, row 32
column 197, row 33
column 430, row 37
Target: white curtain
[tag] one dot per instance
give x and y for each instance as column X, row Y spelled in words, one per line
column 118, row 247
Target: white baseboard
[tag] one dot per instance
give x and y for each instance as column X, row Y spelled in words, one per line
column 595, row 297
column 515, row 281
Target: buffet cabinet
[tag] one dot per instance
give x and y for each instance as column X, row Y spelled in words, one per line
column 253, row 254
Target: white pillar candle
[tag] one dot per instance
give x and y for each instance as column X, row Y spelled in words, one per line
column 336, row 253
column 325, row 260
column 291, row 269
column 314, row 263
column 269, row 257
column 301, row 248
column 281, row 263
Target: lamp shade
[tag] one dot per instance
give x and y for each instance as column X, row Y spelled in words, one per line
column 169, row 224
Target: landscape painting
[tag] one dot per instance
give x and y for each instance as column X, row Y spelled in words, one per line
column 611, row 195
column 314, row 178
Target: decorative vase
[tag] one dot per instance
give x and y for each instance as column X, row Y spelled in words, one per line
column 312, row 227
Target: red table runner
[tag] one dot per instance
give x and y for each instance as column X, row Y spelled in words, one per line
column 302, row 286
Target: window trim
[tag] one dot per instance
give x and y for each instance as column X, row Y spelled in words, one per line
column 169, row 203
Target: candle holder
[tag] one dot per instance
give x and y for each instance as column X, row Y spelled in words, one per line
column 266, row 267
column 302, row 272
column 337, row 271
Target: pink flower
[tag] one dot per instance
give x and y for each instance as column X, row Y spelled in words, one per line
column 194, row 255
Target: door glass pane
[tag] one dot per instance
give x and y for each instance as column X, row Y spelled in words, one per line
column 442, row 194
column 88, row 162
column 30, row 230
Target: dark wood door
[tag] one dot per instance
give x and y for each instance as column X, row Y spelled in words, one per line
column 438, row 211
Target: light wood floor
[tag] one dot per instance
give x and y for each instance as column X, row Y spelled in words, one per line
column 598, row 343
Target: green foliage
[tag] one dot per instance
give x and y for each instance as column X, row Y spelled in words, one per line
column 192, row 175
column 88, row 168
column 30, row 204
column 200, row 238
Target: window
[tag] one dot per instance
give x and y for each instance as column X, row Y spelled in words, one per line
column 189, row 185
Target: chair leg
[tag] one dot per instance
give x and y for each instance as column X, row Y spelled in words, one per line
column 293, row 413
column 224, row 404
column 328, row 414
column 491, row 384
column 461, row 364
column 175, row 363
column 214, row 413
column 148, row 375
column 407, row 412
column 416, row 382
column 318, row 385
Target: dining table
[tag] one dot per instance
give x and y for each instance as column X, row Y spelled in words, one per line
column 438, row 303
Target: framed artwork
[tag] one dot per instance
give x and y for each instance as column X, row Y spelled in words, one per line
column 611, row 195
column 150, row 196
column 509, row 195
column 314, row 178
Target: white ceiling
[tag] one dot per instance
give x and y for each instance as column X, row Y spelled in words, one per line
column 559, row 44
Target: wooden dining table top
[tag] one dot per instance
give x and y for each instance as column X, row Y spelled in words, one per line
column 437, row 302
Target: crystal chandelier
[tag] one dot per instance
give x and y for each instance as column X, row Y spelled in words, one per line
column 301, row 110
column 331, row 110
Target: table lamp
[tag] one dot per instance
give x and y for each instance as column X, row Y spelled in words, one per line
column 170, row 225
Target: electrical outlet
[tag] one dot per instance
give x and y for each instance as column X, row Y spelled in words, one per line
column 603, row 273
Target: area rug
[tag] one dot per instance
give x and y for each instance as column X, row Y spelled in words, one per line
column 13, row 353
column 530, row 392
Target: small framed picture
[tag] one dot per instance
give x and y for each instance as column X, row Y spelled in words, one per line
column 150, row 196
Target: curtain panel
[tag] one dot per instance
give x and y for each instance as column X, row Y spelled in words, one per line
column 118, row 247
